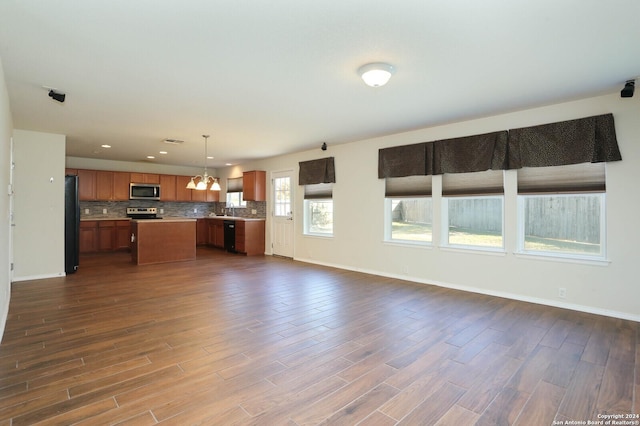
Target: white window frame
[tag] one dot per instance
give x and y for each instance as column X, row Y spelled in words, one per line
column 307, row 218
column 388, row 223
column 241, row 205
column 445, row 225
column 520, row 250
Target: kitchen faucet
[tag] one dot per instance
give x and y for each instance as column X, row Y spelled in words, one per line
column 233, row 212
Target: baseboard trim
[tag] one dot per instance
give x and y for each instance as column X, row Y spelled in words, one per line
column 38, row 277
column 506, row 295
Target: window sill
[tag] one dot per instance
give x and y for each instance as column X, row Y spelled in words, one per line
column 563, row 258
column 321, row 236
column 412, row 244
column 490, row 251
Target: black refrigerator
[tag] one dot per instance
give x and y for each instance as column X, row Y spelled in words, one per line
column 71, row 225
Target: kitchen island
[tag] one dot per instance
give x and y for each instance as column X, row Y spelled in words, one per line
column 163, row 240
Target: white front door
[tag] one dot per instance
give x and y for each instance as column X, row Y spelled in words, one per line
column 283, row 221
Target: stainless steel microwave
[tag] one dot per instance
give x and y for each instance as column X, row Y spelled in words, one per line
column 144, row 191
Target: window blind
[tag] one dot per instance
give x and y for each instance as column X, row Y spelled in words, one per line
column 489, row 182
column 585, row 177
column 318, row 190
column 234, row 184
column 408, row 186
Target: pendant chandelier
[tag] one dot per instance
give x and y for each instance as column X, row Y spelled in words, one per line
column 204, row 179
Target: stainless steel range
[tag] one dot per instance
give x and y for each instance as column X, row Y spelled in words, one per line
column 142, row 213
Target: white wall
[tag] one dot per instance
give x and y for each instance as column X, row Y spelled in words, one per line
column 6, row 129
column 604, row 288
column 38, row 250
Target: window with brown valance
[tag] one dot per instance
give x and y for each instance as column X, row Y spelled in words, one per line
column 317, row 171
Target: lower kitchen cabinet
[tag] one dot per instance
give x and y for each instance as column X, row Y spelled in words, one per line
column 123, row 235
column 202, row 232
column 88, row 236
column 215, row 233
column 104, row 235
column 249, row 235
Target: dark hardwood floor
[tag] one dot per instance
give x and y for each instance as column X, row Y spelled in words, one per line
column 228, row 339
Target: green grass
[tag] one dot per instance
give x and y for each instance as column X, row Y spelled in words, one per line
column 460, row 236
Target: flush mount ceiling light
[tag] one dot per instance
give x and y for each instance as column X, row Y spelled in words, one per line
column 376, row 74
column 203, row 180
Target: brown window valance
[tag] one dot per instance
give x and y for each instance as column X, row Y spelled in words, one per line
column 317, row 171
column 406, row 160
column 471, row 153
column 585, row 140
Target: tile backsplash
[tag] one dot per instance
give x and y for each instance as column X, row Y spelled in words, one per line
column 118, row 209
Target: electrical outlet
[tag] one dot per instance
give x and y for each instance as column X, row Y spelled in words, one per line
column 195, row 210
column 104, row 211
column 562, row 292
column 86, row 211
column 254, row 211
column 161, row 211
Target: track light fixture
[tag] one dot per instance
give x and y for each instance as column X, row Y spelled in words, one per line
column 57, row 96
column 629, row 87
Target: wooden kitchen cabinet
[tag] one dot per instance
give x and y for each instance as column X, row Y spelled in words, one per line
column 104, row 235
column 212, row 196
column 167, row 188
column 87, row 185
column 88, row 236
column 215, row 233
column 145, row 177
column 182, row 193
column 200, row 196
column 202, row 232
column 254, row 185
column 123, row 235
column 71, row 172
column 112, row 186
column 250, row 237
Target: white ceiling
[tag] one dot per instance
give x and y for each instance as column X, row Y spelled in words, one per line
column 265, row 78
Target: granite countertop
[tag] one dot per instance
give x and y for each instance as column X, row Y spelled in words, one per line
column 245, row 219
column 176, row 218
column 102, row 218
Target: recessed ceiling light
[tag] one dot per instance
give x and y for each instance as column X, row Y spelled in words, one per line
column 228, row 164
column 150, row 157
column 209, row 158
column 163, row 152
column 105, row 146
column 173, row 141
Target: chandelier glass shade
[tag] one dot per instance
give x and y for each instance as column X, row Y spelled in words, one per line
column 204, row 179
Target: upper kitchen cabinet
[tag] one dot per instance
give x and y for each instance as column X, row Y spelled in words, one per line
column 254, row 185
column 167, row 188
column 87, row 185
column 182, row 193
column 145, row 178
column 112, row 186
column 212, row 195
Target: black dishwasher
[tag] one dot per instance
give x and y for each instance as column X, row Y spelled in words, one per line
column 230, row 235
